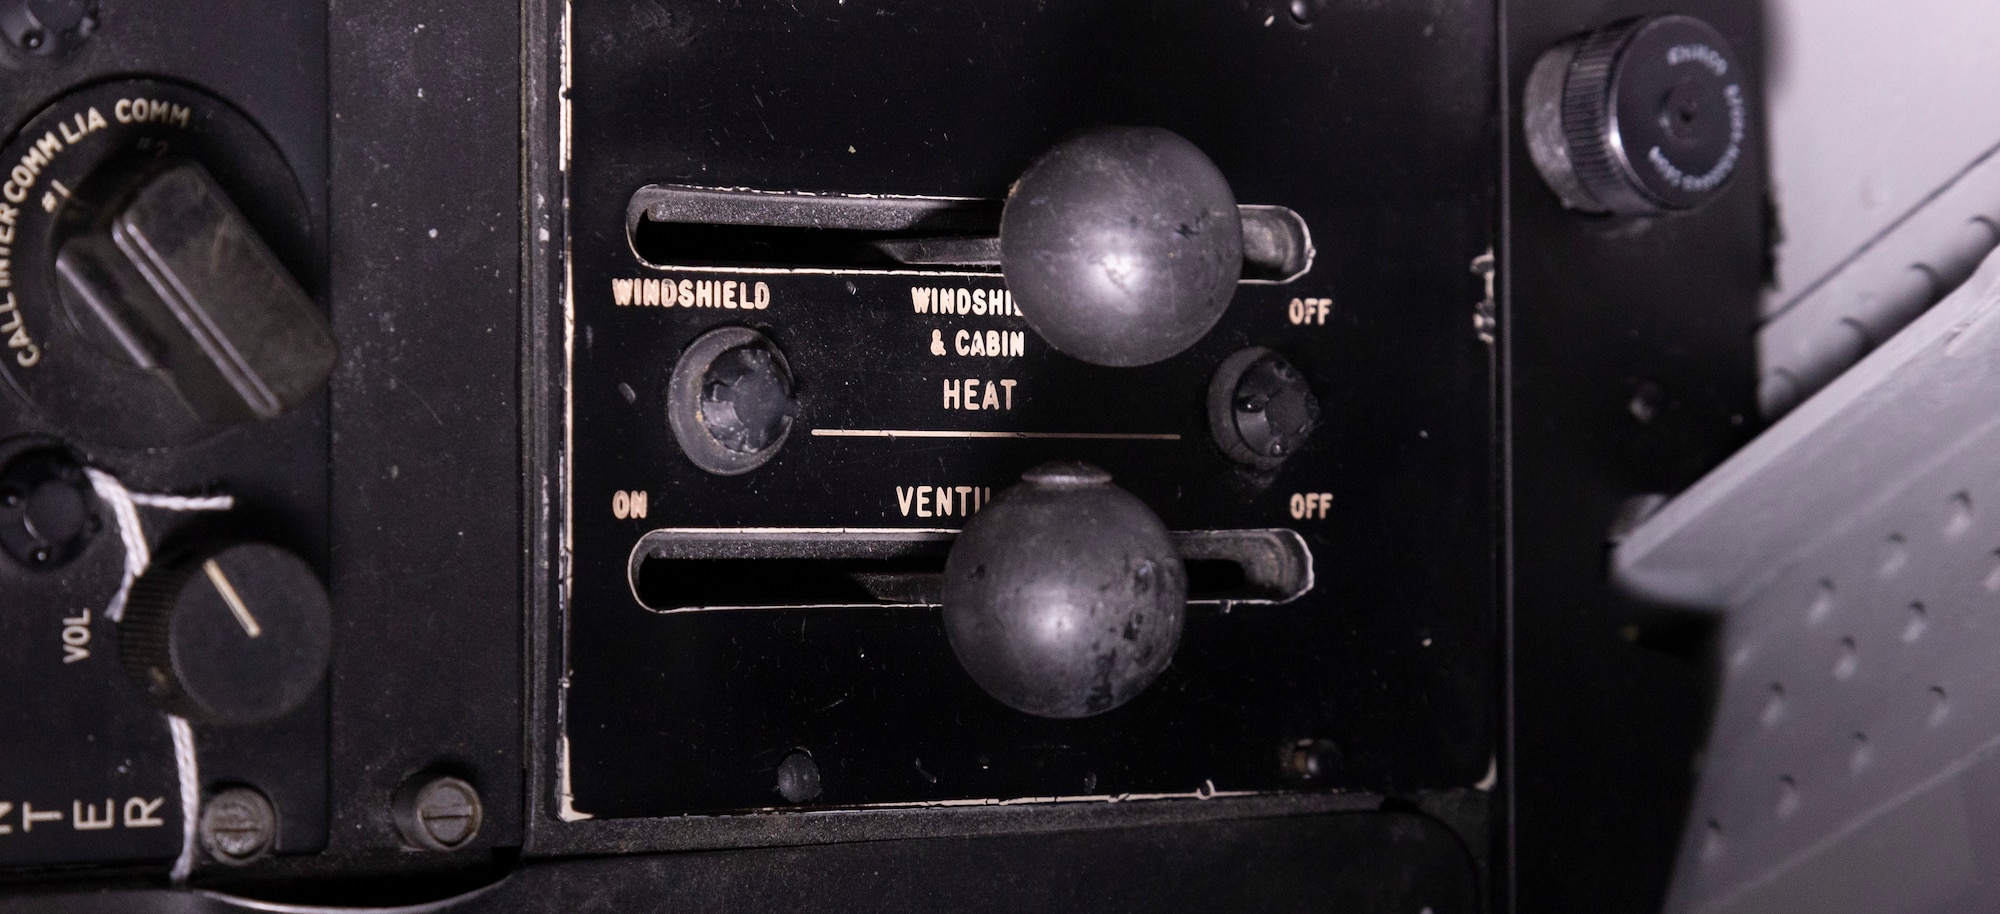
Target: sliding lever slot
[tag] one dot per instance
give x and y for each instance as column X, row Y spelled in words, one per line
column 706, row 570
column 680, row 227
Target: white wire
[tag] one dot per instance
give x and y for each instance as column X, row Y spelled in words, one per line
column 190, row 781
column 125, row 506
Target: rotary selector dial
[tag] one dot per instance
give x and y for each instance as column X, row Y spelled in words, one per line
column 1644, row 117
column 156, row 240
column 237, row 634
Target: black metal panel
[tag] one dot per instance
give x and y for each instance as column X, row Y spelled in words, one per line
column 1402, row 862
column 427, row 669
column 78, row 733
column 1631, row 371
column 1376, row 124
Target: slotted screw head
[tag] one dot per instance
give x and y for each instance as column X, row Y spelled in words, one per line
column 438, row 813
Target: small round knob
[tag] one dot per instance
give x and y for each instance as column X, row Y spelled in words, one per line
column 1644, row 117
column 746, row 399
column 47, row 509
column 1260, row 408
column 1122, row 245
column 731, row 400
column 1064, row 596
column 233, row 635
column 48, row 28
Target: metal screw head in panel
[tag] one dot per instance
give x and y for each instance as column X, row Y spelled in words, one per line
column 1312, row 760
column 238, row 825
column 437, row 812
column 798, row 777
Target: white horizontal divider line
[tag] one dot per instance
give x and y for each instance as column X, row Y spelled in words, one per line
column 945, row 433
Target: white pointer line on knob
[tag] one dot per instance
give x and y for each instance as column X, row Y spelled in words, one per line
column 229, row 596
column 937, row 433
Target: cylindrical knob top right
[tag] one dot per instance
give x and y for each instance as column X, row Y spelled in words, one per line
column 1122, row 245
column 1643, row 117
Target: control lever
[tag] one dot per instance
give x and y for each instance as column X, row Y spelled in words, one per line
column 1122, row 246
column 1064, row 596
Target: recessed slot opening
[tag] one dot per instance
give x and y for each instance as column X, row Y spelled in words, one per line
column 674, row 226
column 674, row 571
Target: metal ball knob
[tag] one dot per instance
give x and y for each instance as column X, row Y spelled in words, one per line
column 1122, row 245
column 1064, row 596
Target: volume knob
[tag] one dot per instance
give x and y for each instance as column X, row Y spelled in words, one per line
column 233, row 635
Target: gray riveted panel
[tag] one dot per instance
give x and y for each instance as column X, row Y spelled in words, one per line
column 1853, row 549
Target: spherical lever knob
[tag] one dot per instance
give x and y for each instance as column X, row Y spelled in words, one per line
column 1122, row 245
column 1064, row 596
column 235, row 635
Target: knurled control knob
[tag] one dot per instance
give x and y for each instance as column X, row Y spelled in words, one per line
column 1643, row 117
column 239, row 634
column 1064, row 597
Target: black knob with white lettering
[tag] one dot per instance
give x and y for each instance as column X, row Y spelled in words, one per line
column 163, row 258
column 1122, row 245
column 232, row 634
column 1064, row 597
column 1643, row 117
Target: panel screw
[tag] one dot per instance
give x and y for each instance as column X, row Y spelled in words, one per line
column 437, row 812
column 238, row 825
column 1649, row 399
column 798, row 777
column 1312, row 760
